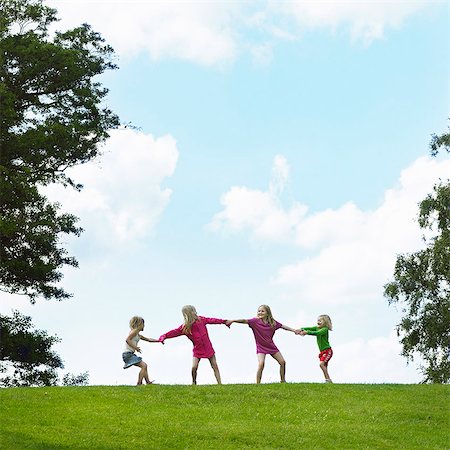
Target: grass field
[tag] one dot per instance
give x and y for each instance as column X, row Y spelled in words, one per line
column 268, row 416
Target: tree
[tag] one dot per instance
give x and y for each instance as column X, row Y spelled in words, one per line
column 52, row 119
column 439, row 142
column 422, row 285
column 25, row 354
column 27, row 358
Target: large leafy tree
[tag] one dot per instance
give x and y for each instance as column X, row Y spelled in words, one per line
column 52, row 118
column 422, row 284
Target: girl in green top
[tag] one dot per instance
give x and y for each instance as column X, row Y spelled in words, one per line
column 321, row 332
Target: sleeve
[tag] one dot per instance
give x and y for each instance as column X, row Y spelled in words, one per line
column 278, row 325
column 317, row 331
column 172, row 333
column 251, row 322
column 212, row 321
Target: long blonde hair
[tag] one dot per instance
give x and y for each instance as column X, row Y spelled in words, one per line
column 135, row 321
column 269, row 318
column 190, row 316
column 327, row 321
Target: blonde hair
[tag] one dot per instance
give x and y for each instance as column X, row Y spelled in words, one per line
column 327, row 321
column 190, row 316
column 135, row 321
column 269, row 318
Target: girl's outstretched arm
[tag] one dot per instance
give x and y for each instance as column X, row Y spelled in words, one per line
column 148, row 339
column 315, row 331
column 171, row 334
column 237, row 321
column 285, row 327
column 213, row 321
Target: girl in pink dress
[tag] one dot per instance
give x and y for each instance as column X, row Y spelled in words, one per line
column 264, row 327
column 194, row 328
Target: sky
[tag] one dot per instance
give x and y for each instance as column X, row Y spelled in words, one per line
column 278, row 154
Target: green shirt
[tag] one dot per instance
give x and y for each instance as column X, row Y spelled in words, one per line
column 322, row 336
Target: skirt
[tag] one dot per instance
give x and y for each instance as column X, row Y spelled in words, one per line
column 130, row 359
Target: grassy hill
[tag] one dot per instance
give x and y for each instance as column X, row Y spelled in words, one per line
column 268, row 416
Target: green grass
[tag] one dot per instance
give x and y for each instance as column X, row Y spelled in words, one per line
column 268, row 416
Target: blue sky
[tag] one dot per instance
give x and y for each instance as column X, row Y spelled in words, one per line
column 281, row 153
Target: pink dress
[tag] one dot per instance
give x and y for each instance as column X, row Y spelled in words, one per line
column 199, row 336
column 264, row 335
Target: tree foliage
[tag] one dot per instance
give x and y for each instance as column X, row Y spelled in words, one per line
column 422, row 285
column 440, row 142
column 25, row 354
column 27, row 358
column 75, row 380
column 52, row 118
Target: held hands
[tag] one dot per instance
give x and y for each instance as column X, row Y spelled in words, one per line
column 228, row 323
column 301, row 332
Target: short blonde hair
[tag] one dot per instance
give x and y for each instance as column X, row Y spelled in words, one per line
column 190, row 316
column 135, row 321
column 327, row 321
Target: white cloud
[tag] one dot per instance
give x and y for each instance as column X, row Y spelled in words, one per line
column 357, row 249
column 366, row 20
column 375, row 360
column 214, row 33
column 122, row 199
column 353, row 251
column 258, row 211
column 195, row 31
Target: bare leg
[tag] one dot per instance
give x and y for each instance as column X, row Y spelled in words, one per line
column 215, row 368
column 279, row 357
column 324, row 367
column 195, row 362
column 261, row 361
column 143, row 373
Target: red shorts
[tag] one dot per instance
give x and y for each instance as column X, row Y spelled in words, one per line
column 326, row 355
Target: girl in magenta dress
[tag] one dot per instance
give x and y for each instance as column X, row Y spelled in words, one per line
column 264, row 327
column 194, row 328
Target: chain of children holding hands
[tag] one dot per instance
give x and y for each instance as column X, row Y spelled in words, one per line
column 194, row 328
